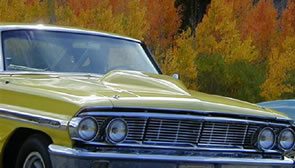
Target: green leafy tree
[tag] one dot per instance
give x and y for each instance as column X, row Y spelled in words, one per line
column 240, row 79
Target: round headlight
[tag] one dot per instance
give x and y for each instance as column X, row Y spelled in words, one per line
column 266, row 139
column 87, row 129
column 116, row 130
column 286, row 139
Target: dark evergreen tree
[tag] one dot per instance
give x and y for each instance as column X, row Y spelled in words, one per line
column 192, row 12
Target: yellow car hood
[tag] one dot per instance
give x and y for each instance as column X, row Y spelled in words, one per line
column 67, row 94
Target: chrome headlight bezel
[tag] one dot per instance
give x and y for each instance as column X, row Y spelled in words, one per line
column 279, row 140
column 260, row 147
column 108, row 128
column 76, row 124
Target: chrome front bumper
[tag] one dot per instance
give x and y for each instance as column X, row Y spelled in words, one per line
column 63, row 157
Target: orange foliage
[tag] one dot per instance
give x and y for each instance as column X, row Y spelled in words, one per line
column 288, row 20
column 240, row 9
column 261, row 25
column 118, row 6
column 282, row 57
column 78, row 5
column 164, row 21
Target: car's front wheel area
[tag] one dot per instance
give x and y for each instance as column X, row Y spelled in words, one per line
column 34, row 153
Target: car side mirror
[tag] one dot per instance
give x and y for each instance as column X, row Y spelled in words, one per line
column 176, row 76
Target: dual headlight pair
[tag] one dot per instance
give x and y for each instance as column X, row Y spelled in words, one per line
column 267, row 138
column 87, row 129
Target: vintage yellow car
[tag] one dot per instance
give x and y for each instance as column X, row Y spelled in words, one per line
column 74, row 98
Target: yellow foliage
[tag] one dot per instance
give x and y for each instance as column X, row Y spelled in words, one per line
column 102, row 18
column 21, row 11
column 181, row 59
column 281, row 61
column 97, row 18
column 133, row 23
column 218, row 33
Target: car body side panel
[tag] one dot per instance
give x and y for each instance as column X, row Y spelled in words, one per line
column 21, row 107
column 8, row 127
column 13, row 115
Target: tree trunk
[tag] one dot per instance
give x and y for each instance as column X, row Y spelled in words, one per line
column 51, row 4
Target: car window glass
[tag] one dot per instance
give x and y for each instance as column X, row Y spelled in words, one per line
column 24, row 53
column 70, row 52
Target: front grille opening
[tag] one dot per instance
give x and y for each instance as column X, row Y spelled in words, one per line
column 185, row 132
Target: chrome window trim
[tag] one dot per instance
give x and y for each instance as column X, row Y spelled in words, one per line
column 63, row 29
column 53, row 74
column 33, row 119
column 1, row 54
column 178, row 116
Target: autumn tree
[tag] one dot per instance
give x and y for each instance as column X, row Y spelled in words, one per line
column 225, row 60
column 99, row 15
column 261, row 25
column 288, row 21
column 218, row 33
column 240, row 10
column 164, row 20
column 134, row 20
column 282, row 59
column 118, row 6
column 33, row 11
column 180, row 59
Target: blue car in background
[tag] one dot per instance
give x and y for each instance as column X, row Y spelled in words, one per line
column 285, row 106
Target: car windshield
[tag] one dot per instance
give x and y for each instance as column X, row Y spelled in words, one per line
column 37, row 50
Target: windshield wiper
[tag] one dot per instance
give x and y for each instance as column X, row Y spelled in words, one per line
column 24, row 68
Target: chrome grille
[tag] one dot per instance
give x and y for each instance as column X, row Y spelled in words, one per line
column 136, row 128
column 223, row 134
column 174, row 131
column 186, row 132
